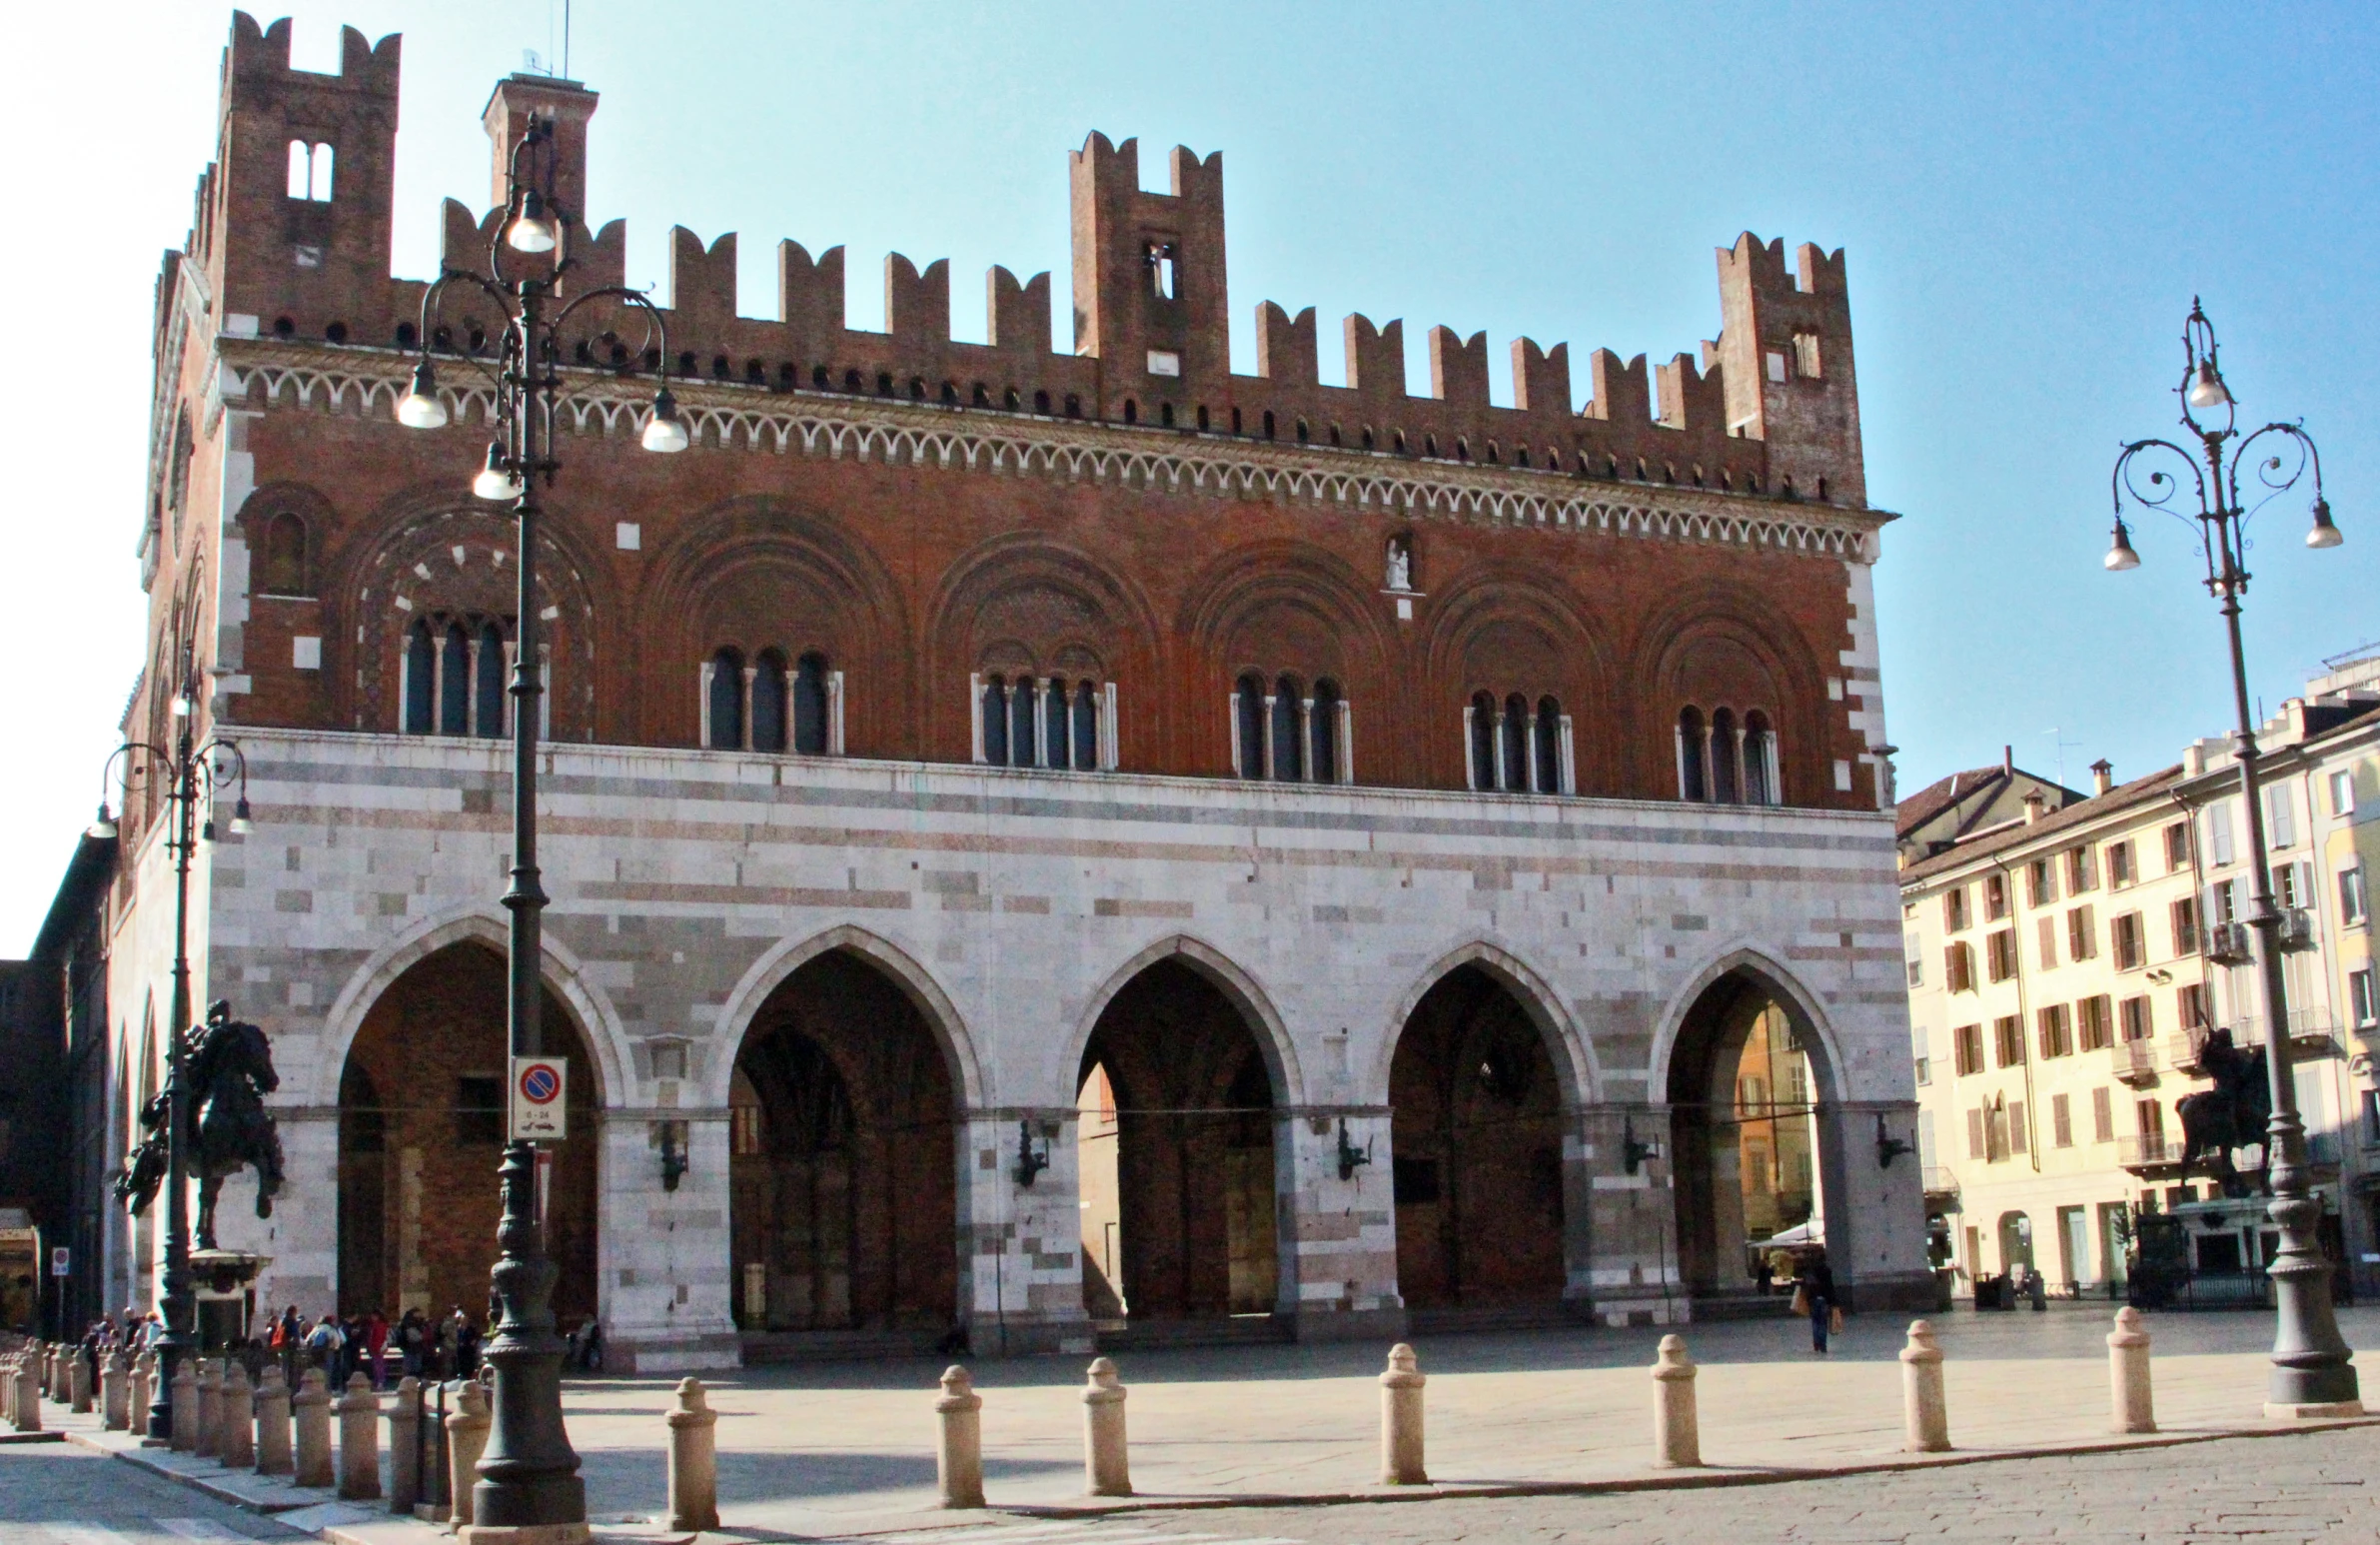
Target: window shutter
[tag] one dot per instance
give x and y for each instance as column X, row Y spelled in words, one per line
column 2016, row 1126
column 1974, row 1132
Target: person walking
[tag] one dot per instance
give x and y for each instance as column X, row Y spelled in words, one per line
column 376, row 1347
column 1817, row 1295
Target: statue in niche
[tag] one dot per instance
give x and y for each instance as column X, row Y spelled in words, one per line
column 1400, row 564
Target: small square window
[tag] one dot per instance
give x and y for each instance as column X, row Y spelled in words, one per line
column 1777, row 364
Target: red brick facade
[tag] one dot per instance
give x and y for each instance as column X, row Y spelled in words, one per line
column 896, row 502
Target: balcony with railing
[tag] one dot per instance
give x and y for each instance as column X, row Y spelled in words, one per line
column 2134, row 1061
column 1941, row 1188
column 2310, row 1031
column 2151, row 1153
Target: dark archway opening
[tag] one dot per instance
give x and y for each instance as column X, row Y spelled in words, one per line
column 421, row 1132
column 844, row 1212
column 1194, row 1219
column 1745, row 1136
column 1474, row 1108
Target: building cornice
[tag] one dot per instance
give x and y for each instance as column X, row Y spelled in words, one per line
column 264, row 374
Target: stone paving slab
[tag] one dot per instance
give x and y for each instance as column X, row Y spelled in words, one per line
column 846, row 1451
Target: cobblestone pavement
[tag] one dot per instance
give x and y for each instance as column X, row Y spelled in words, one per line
column 52, row 1494
column 2306, row 1487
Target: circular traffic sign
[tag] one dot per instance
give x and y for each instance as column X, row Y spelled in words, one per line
column 540, row 1083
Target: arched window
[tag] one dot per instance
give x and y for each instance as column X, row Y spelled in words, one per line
column 1483, row 740
column 420, row 679
column 809, row 705
column 1516, row 742
column 1249, row 707
column 1759, row 759
column 281, row 565
column 1086, row 728
column 1690, row 784
column 995, row 721
column 309, row 171
column 488, row 683
column 1021, row 704
column 1724, row 787
column 769, row 701
column 1054, row 726
column 1548, row 746
column 727, row 701
column 1289, row 761
column 1322, row 732
column 454, row 681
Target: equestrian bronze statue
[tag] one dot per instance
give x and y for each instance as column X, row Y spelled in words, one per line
column 228, row 1065
column 2233, row 1114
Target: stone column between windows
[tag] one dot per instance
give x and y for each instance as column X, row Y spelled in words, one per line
column 1346, row 733
column 1570, row 758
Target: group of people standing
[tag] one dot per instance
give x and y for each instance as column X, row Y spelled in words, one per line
column 415, row 1347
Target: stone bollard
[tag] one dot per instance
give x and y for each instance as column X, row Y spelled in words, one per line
column 115, row 1405
column 466, row 1439
column 1106, row 1459
column 182, row 1388
column 1924, row 1412
column 312, row 1409
column 958, row 1461
column 405, row 1446
column 52, row 1386
column 2127, row 1373
column 433, row 1505
column 137, row 1393
column 694, row 1461
column 26, row 1416
column 210, row 1409
column 1676, row 1430
column 1401, row 1420
column 234, row 1440
column 272, row 1424
column 78, row 1382
column 8, row 1389
column 359, row 1441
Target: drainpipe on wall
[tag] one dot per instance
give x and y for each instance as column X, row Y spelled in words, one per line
column 2032, row 1115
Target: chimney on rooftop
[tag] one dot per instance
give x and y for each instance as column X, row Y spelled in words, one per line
column 2008, row 759
column 2032, row 805
column 2103, row 776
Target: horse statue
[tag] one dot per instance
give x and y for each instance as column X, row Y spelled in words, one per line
column 2235, row 1113
column 228, row 1065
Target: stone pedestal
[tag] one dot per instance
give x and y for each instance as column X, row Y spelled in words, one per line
column 312, row 1407
column 466, row 1439
column 235, row 1438
column 694, row 1461
column 359, row 1441
column 25, row 1413
column 1924, row 1413
column 405, row 1446
column 210, row 1409
column 115, row 1405
column 1676, row 1430
column 183, row 1392
column 1401, row 1420
column 2132, row 1410
column 139, row 1389
column 958, row 1457
column 1106, row 1460
column 272, row 1452
column 78, row 1381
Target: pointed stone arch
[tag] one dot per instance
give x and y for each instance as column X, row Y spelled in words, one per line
column 563, row 974
column 1254, row 1005
column 1794, row 994
column 1574, row 1053
column 780, row 961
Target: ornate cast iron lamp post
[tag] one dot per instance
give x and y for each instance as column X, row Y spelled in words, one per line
column 190, row 770
column 529, row 1486
column 2313, row 1373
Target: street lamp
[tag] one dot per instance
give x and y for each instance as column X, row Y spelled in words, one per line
column 529, row 1474
column 191, row 769
column 2313, row 1372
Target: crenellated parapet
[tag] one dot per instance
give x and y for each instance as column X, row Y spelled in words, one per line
column 1770, row 407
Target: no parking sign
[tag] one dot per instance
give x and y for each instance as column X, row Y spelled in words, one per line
column 537, row 1104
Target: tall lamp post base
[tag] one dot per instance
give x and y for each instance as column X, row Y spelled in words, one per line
column 2311, row 1410
column 524, row 1534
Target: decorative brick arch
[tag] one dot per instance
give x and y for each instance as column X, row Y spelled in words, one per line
column 1573, row 1054
column 403, row 566
column 1264, row 1022
column 780, row 961
column 756, row 574
column 1498, row 627
column 599, row 1022
column 1293, row 607
column 1026, row 602
column 1724, row 646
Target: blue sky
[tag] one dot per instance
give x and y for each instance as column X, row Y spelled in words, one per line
column 2030, row 196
